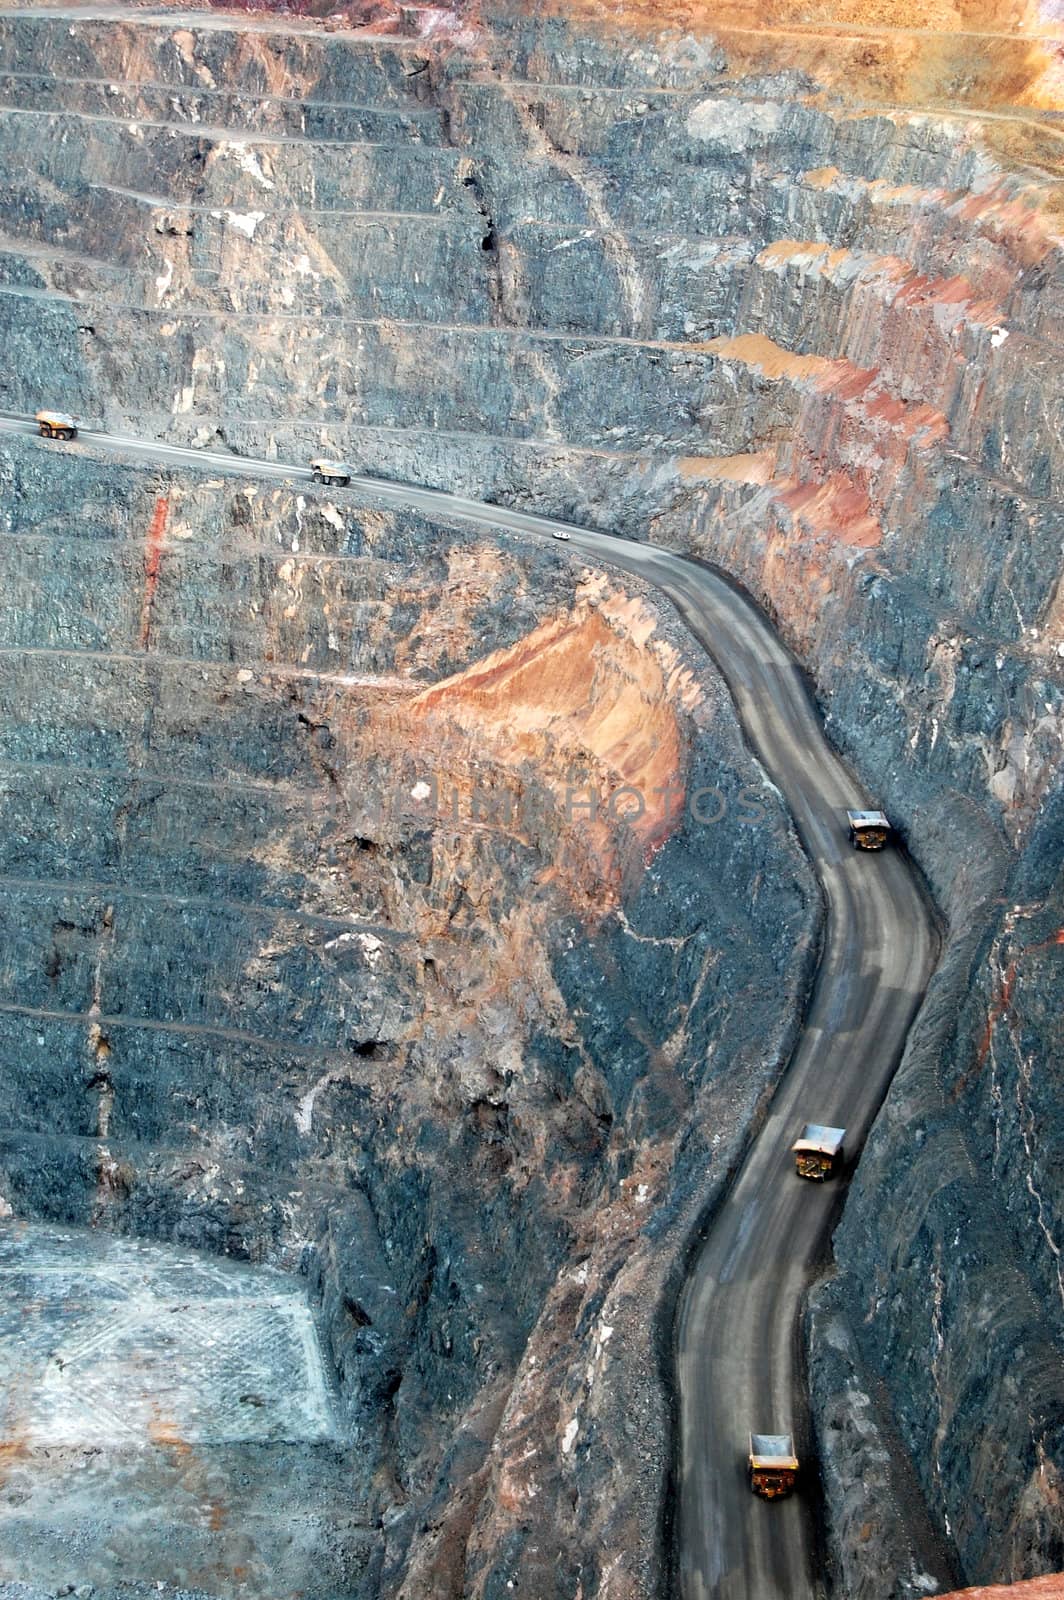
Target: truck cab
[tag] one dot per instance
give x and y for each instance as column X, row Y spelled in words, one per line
column 773, row 1466
column 56, row 425
column 869, row 830
column 819, row 1153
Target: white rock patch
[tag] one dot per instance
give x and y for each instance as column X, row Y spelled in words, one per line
column 249, row 163
column 734, row 125
column 244, row 222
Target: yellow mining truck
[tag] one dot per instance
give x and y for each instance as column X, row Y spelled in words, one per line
column 773, row 1465
column 869, row 830
column 56, row 425
column 819, row 1153
column 324, row 470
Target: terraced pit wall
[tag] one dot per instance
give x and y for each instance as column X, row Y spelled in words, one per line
column 312, row 958
column 674, row 291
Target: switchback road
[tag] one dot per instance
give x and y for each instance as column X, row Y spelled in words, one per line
column 738, row 1347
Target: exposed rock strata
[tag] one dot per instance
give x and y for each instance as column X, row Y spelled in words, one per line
column 676, row 291
column 312, row 958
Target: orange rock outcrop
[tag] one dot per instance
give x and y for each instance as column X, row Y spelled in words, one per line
column 1049, row 1588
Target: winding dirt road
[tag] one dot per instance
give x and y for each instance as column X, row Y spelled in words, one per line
column 737, row 1339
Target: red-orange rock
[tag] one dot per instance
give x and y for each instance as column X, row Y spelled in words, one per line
column 1050, row 1588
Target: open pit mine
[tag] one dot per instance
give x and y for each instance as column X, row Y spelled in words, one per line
column 531, row 800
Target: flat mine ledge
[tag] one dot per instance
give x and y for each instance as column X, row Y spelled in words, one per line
column 160, row 1402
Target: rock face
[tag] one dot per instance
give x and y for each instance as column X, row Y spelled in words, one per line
column 316, row 956
column 311, row 958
